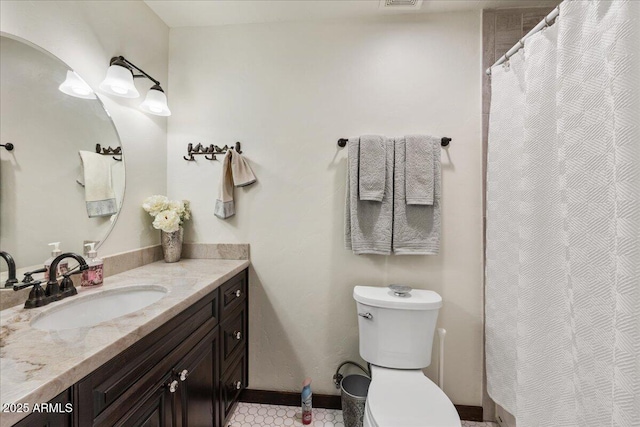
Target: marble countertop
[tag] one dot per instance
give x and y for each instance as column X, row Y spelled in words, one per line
column 36, row 366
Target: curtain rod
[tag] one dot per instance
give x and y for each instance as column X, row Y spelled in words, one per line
column 547, row 21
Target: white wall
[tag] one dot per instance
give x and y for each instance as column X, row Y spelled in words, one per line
column 288, row 91
column 86, row 35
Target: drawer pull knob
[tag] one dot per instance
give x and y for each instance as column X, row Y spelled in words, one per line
column 183, row 374
column 173, row 386
column 238, row 385
column 238, row 293
column 237, row 335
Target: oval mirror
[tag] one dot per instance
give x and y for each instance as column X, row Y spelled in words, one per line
column 54, row 186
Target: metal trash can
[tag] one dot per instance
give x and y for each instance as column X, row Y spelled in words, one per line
column 354, row 389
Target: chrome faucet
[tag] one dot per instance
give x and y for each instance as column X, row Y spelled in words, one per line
column 53, row 292
column 12, row 269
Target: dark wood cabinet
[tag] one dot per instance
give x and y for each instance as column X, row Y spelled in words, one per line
column 58, row 413
column 187, row 373
column 198, row 387
column 153, row 409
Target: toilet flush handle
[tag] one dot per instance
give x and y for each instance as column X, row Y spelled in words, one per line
column 366, row 315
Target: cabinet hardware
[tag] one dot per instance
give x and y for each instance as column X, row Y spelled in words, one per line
column 238, row 385
column 173, row 386
column 238, row 293
column 183, row 374
column 237, row 335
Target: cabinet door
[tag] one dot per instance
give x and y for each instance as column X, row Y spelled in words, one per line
column 155, row 409
column 198, row 373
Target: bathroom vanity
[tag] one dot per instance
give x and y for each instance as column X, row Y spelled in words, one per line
column 181, row 361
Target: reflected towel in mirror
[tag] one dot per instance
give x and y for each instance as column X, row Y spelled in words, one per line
column 99, row 196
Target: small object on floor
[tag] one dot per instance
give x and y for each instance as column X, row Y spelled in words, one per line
column 306, row 401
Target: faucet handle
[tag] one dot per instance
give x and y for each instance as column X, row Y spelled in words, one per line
column 37, row 296
column 27, row 284
column 67, row 288
column 28, row 275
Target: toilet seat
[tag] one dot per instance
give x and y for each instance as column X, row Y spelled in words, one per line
column 407, row 398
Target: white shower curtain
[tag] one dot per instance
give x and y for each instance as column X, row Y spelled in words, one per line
column 563, row 222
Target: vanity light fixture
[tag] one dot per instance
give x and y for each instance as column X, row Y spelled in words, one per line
column 119, row 82
column 156, row 102
column 74, row 85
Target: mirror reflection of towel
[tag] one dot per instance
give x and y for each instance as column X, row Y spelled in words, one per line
column 98, row 191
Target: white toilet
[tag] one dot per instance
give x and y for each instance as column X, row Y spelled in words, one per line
column 396, row 326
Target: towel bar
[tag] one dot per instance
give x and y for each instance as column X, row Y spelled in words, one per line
column 444, row 141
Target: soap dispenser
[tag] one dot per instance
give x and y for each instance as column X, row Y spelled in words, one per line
column 93, row 275
column 63, row 265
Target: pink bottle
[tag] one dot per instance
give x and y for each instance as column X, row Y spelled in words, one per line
column 93, row 275
column 306, row 402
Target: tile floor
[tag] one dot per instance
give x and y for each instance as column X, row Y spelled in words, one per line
column 259, row 415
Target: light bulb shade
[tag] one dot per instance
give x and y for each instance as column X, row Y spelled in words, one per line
column 156, row 102
column 74, row 85
column 119, row 82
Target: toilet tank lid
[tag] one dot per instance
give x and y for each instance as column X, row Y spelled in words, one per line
column 418, row 299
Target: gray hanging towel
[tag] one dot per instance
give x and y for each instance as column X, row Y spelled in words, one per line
column 416, row 228
column 368, row 224
column 419, row 168
column 372, row 169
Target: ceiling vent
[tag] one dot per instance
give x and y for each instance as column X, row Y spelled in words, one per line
column 400, row 4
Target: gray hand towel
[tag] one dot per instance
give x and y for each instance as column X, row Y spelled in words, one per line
column 368, row 224
column 419, row 168
column 416, row 228
column 372, row 170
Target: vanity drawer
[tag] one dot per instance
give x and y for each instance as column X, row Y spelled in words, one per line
column 232, row 384
column 234, row 335
column 232, row 294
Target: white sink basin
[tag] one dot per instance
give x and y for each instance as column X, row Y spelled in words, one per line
column 83, row 311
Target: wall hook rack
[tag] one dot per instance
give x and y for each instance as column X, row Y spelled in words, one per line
column 208, row 152
column 110, row 152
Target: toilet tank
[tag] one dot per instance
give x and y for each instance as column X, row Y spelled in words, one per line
column 396, row 331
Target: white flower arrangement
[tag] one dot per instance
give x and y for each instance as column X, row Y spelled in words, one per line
column 168, row 215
